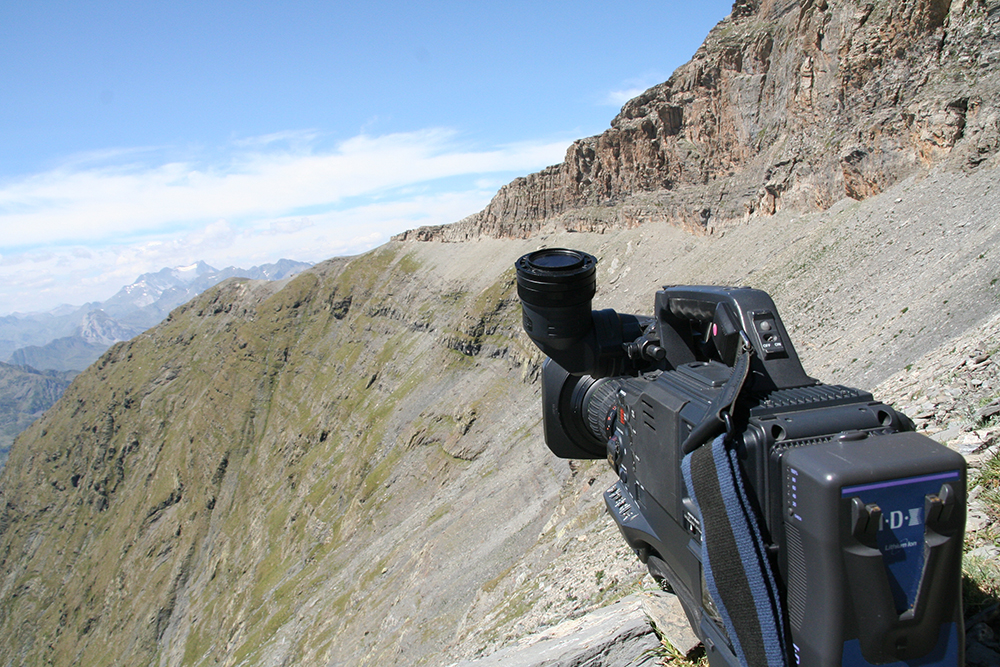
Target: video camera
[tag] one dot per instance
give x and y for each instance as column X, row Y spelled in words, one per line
column 797, row 522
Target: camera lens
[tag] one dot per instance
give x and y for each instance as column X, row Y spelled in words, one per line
column 584, row 403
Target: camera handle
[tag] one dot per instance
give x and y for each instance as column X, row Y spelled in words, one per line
column 703, row 323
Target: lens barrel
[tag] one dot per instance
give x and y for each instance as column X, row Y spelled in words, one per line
column 556, row 287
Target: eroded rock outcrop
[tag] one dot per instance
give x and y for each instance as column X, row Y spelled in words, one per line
column 786, row 104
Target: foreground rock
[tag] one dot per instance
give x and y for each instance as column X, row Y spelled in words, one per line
column 625, row 634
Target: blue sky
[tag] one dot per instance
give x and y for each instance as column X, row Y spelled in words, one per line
column 135, row 136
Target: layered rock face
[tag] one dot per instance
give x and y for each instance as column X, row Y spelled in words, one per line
column 786, row 104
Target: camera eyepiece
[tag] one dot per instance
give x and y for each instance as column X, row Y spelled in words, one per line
column 556, row 277
column 556, row 287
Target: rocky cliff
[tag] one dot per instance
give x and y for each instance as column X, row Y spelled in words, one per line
column 348, row 469
column 787, row 104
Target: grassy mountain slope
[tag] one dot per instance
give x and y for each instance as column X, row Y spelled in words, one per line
column 227, row 456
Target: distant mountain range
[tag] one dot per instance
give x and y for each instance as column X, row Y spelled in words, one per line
column 24, row 395
column 70, row 338
column 45, row 351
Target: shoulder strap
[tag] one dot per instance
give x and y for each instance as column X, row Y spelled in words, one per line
column 733, row 556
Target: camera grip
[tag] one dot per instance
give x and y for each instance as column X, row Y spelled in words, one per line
column 695, row 310
column 709, row 323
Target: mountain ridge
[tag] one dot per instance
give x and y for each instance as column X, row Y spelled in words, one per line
column 94, row 330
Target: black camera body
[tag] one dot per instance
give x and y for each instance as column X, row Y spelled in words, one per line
column 831, row 502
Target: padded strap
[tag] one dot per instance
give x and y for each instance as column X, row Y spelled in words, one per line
column 733, row 556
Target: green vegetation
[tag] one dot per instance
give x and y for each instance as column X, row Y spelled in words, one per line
column 409, row 263
column 980, row 583
column 439, row 513
column 981, row 573
column 667, row 655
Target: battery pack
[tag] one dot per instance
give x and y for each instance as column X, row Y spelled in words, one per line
column 874, row 531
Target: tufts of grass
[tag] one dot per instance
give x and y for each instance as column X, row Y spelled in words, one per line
column 988, row 478
column 667, row 654
column 980, row 584
column 980, row 573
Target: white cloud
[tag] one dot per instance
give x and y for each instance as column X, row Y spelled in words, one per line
column 69, row 205
column 631, row 88
column 289, row 226
column 618, row 98
column 292, row 137
column 80, row 232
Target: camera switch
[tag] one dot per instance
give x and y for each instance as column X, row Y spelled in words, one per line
column 768, row 335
